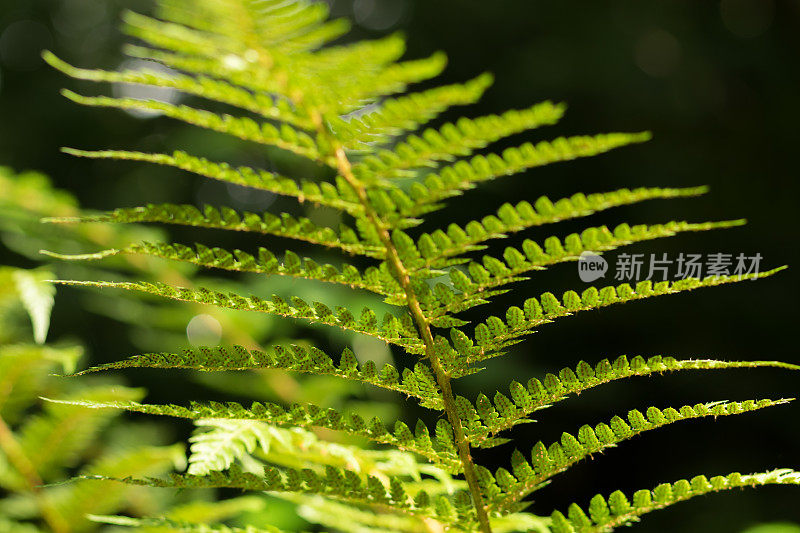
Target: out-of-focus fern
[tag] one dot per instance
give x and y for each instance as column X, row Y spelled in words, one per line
column 346, row 108
column 47, row 443
column 40, row 446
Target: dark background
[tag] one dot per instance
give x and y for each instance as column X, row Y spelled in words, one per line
column 716, row 83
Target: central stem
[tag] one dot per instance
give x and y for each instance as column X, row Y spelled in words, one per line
column 442, row 377
column 393, row 259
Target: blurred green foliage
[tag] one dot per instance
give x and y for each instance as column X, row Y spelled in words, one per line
column 776, row 527
column 43, row 443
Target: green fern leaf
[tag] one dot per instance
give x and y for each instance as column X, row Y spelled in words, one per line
column 510, row 219
column 372, row 55
column 285, row 137
column 285, row 225
column 218, row 442
column 539, row 394
column 548, row 461
column 339, row 196
column 290, row 28
column 335, row 483
column 392, row 330
column 36, row 295
column 205, row 87
column 418, row 382
column 494, row 334
column 464, row 175
column 334, row 105
column 484, row 279
column 374, row 280
column 297, row 415
column 353, row 91
column 454, row 140
column 606, row 515
column 406, row 113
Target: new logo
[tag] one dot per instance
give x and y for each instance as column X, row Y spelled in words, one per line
column 591, row 266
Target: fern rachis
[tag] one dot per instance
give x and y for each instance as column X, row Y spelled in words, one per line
column 270, row 60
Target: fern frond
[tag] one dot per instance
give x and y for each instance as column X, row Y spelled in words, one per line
column 440, row 451
column 288, row 27
column 285, row 225
column 265, row 71
column 175, row 526
column 228, row 42
column 464, row 175
column 264, row 66
column 339, row 196
column 217, row 443
column 316, row 37
column 605, row 515
column 547, row 461
column 230, row 67
column 405, row 113
column 204, row 87
column 247, row 129
column 171, row 36
column 418, row 383
column 495, row 334
column 539, row 394
column 484, row 279
column 457, row 240
column 453, row 140
column 369, row 56
column 306, row 80
column 393, row 330
column 336, row 483
column 334, row 107
column 351, row 92
column 375, row 280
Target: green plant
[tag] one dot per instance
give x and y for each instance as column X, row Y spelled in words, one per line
column 42, row 442
column 334, row 105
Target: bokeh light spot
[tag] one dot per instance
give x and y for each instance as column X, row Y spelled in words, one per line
column 369, row 348
column 379, row 14
column 21, row 45
column 248, row 197
column 145, row 92
column 658, row 53
column 747, row 18
column 74, row 18
column 204, row 330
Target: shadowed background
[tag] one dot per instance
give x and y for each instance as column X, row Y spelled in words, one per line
column 716, row 83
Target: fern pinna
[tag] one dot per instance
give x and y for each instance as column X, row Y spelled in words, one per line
column 344, row 107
